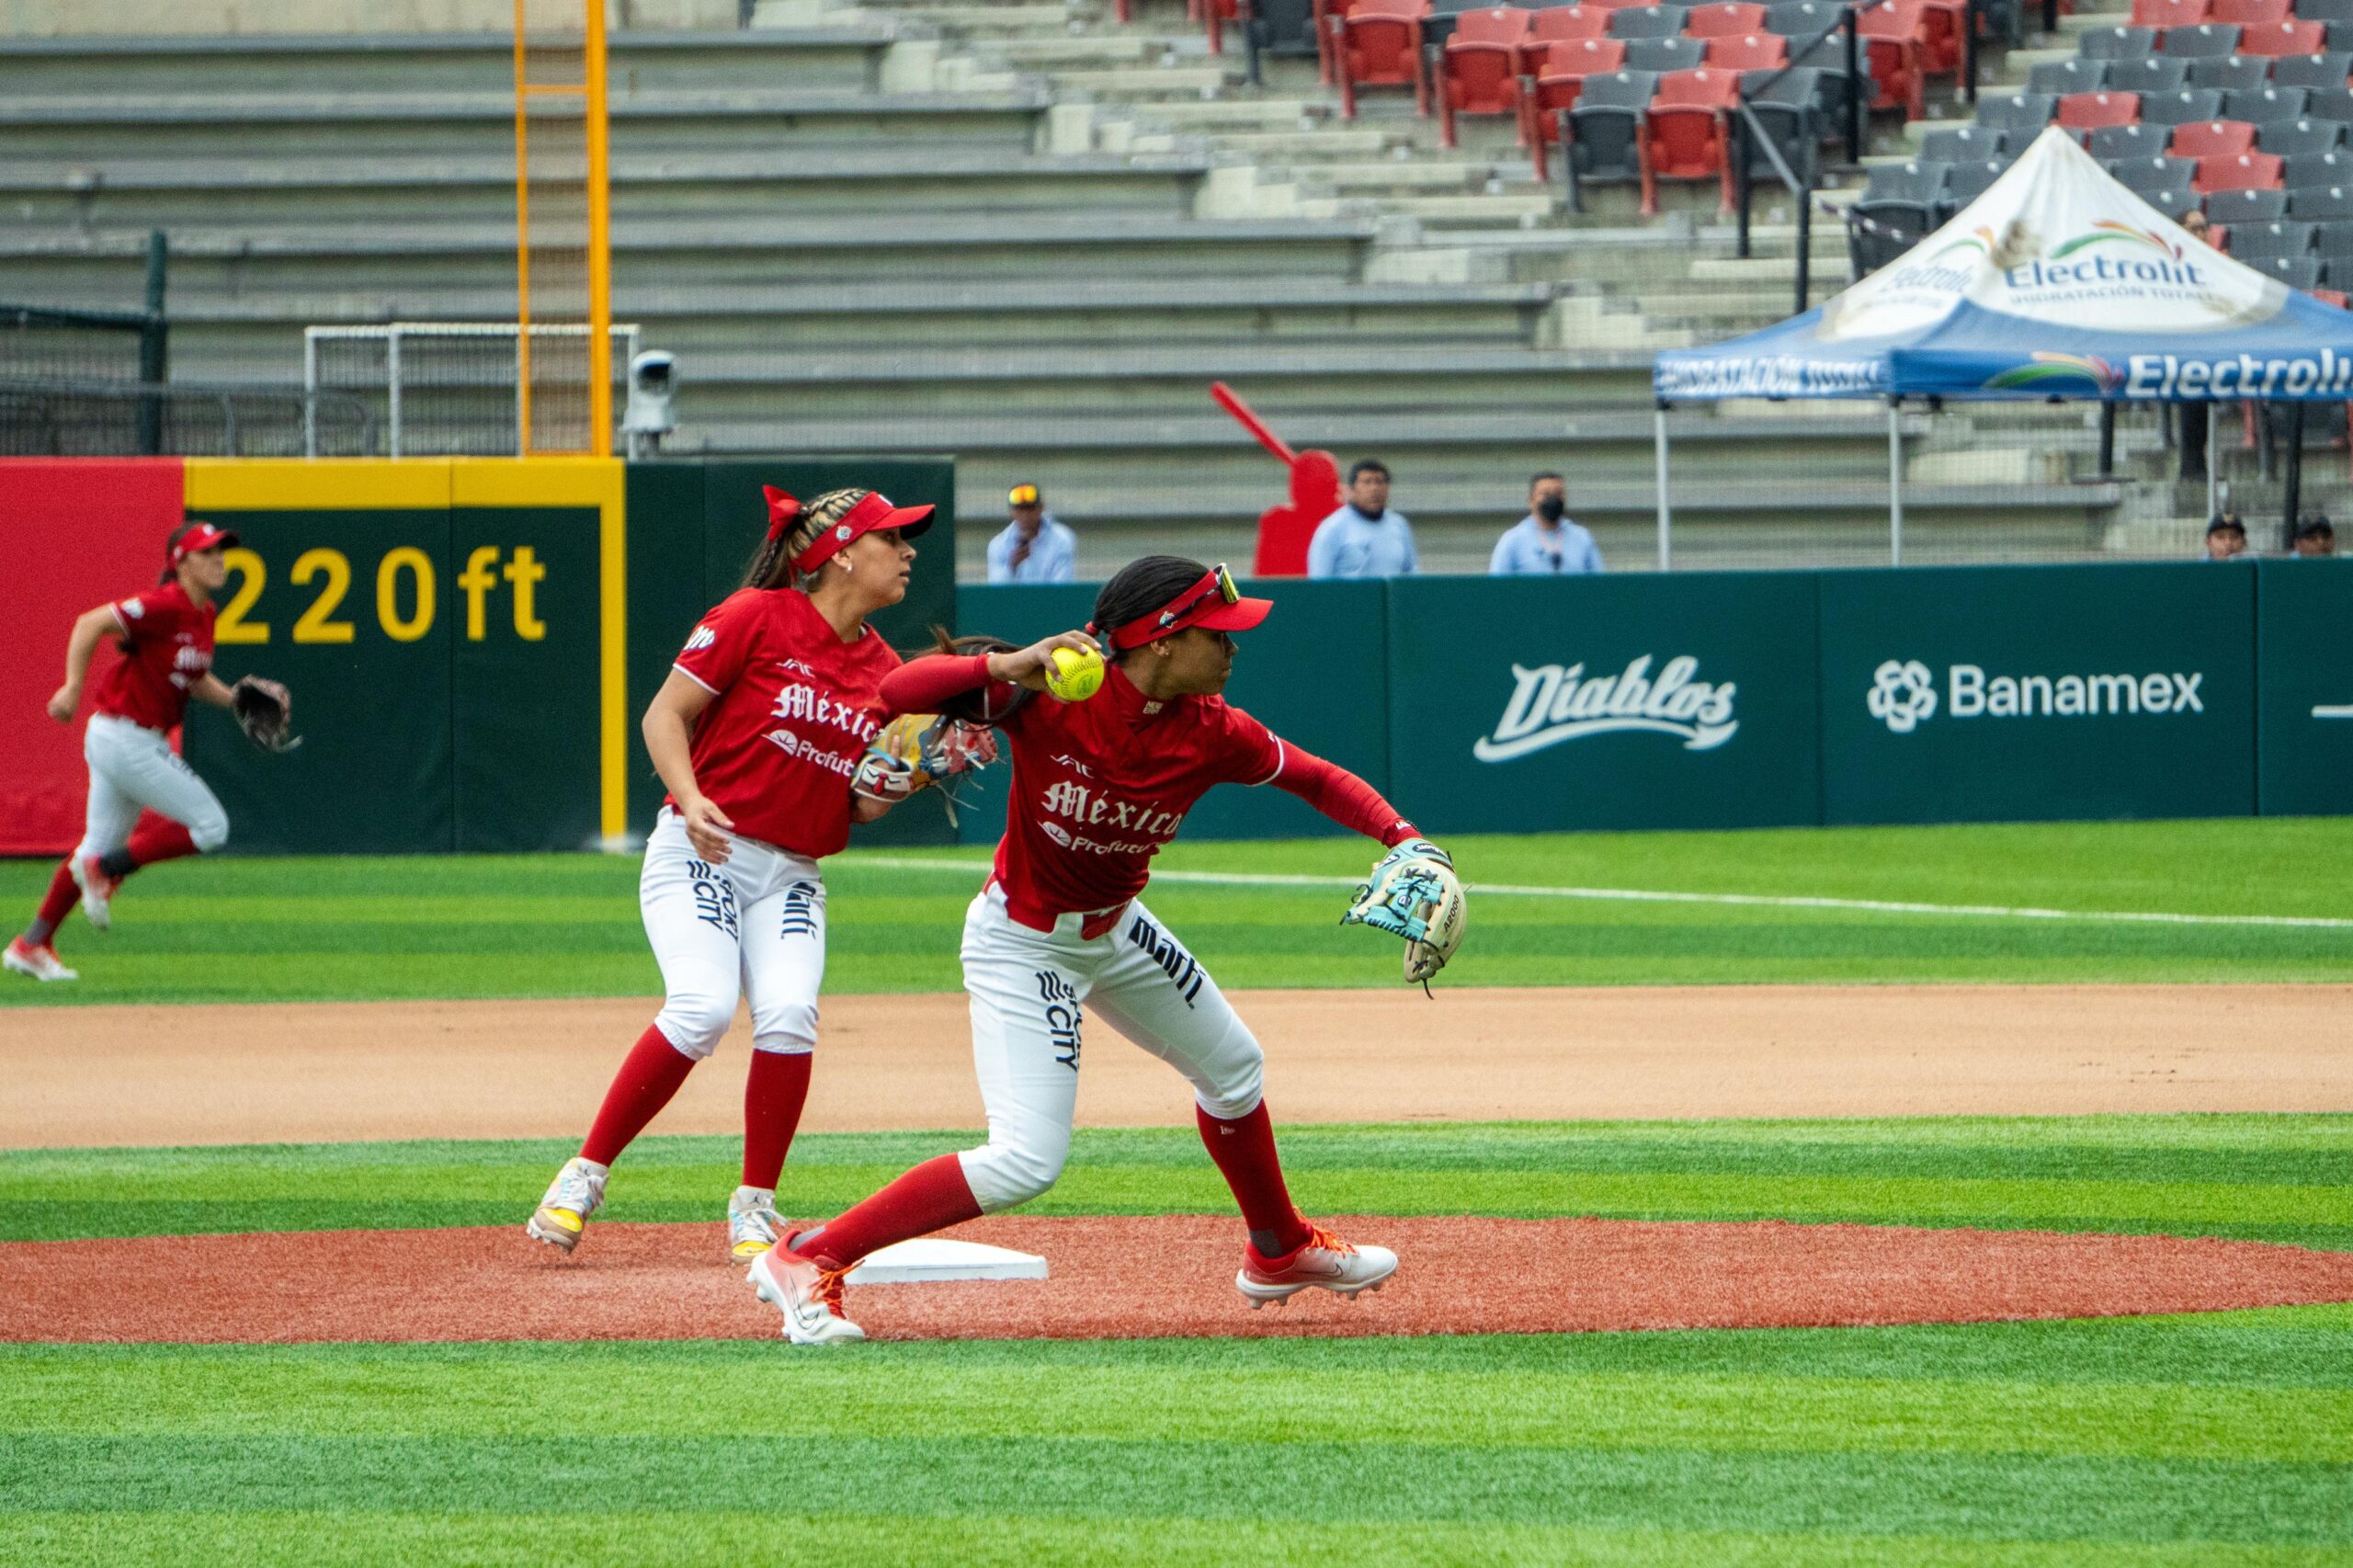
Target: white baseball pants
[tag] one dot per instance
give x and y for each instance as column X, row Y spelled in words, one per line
column 1028, row 989
column 134, row 768
column 754, row 927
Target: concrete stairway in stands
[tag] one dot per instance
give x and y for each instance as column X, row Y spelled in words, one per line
column 1015, row 233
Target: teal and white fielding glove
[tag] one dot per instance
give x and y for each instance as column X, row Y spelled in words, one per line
column 1413, row 894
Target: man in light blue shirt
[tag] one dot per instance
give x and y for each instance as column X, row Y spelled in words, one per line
column 1035, row 547
column 1364, row 538
column 1545, row 543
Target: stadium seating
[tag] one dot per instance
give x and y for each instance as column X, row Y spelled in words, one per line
column 2289, row 138
column 2232, row 208
column 1755, row 51
column 1605, row 127
column 2119, row 143
column 2151, row 74
column 1903, row 203
column 2317, row 168
column 1379, row 44
column 2312, row 70
column 1725, row 18
column 2240, row 171
column 1660, row 55
column 2182, row 108
column 1560, row 24
column 2089, row 111
column 1479, row 69
column 1645, row 22
column 1966, row 183
column 2319, row 203
column 2227, row 71
column 1788, row 107
column 1687, row 131
column 2261, row 242
column 1970, row 143
column 2208, row 138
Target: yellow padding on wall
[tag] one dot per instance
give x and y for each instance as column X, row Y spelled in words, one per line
column 328, row 485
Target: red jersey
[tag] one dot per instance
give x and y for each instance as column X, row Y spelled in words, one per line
column 166, row 649
column 795, row 709
column 1100, row 786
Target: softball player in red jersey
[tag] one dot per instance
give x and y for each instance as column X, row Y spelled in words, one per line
column 758, row 733
column 165, row 635
column 1098, row 786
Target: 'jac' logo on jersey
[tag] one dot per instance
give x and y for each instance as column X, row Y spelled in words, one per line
column 1074, row 766
column 1090, row 807
column 703, row 638
column 797, row 668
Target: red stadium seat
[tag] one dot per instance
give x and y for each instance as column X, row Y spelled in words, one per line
column 2236, row 170
column 1479, row 69
column 2089, row 111
column 2342, row 302
column 1566, row 66
column 2169, row 13
column 1892, row 41
column 2211, row 138
column 2284, row 38
column 1214, row 14
column 1379, row 44
column 1686, row 134
column 1725, row 18
column 1560, row 24
column 1758, row 51
column 2250, row 13
column 1941, row 26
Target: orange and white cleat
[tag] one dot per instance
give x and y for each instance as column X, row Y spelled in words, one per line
column 37, row 960
column 1323, row 1260
column 809, row 1295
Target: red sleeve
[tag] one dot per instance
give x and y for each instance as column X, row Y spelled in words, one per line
column 717, row 649
column 1340, row 795
column 145, row 617
column 920, row 686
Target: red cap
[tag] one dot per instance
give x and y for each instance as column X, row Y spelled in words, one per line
column 1213, row 602
column 873, row 511
column 203, row 535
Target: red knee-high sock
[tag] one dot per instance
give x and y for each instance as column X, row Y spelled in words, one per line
column 1245, row 1151
column 159, row 838
column 929, row 1198
column 650, row 1075
column 773, row 1097
column 62, row 895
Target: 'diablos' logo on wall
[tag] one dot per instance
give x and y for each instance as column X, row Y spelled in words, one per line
column 1552, row 704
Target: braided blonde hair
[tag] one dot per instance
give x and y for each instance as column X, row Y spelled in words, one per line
column 771, row 563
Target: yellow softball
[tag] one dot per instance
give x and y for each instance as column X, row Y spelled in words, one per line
column 1074, row 677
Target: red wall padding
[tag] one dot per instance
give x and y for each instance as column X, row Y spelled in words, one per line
column 77, row 533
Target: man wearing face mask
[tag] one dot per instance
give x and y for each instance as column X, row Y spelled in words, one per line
column 1364, row 538
column 1545, row 543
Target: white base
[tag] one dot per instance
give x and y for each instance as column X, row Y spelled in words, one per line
column 930, row 1261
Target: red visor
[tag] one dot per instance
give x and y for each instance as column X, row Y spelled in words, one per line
column 204, row 535
column 1213, row 602
column 874, row 512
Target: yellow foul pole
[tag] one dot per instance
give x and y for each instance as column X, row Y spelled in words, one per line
column 600, row 259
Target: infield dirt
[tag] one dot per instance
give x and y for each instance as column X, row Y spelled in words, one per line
column 324, row 1072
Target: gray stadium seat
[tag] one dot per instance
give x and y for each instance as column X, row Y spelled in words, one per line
column 2231, row 71
column 2264, row 106
column 1605, row 128
column 2150, row 177
column 2312, row 71
column 1966, row 143
column 2029, row 112
column 2332, row 245
column 2330, row 103
column 1903, row 203
column 2251, row 243
column 2321, row 203
column 2325, row 10
column 2150, row 74
column 2204, row 43
column 2061, row 77
column 2317, row 168
column 2295, row 271
column 2229, row 207
column 1784, row 103
column 1968, row 182
column 2182, row 108
column 2117, row 144
column 1660, row 55
column 2290, row 137
column 1645, row 21
column 2118, row 43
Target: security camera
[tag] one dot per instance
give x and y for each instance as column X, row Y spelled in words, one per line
column 653, row 385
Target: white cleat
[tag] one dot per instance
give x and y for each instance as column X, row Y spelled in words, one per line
column 752, row 1222
column 38, row 959
column 810, row 1298
column 577, row 1192
column 97, row 891
column 1322, row 1261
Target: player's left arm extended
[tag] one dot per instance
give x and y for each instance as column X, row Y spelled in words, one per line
column 211, row 689
column 1346, row 798
column 1412, row 892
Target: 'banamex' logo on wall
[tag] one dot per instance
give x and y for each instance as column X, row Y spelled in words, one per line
column 1553, row 703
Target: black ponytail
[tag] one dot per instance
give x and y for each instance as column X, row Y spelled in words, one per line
column 973, row 707
column 771, row 563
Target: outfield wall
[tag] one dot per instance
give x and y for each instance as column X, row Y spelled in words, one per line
column 1781, row 698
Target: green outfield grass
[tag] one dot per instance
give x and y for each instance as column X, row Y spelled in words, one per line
column 2214, row 1439
column 567, row 926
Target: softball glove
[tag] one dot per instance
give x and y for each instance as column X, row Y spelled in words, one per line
column 915, row 750
column 264, row 709
column 1413, row 893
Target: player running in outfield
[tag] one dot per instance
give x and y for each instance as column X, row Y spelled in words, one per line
column 1098, row 786
column 758, row 733
column 166, row 636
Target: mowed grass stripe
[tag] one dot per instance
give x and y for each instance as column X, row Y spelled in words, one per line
column 365, row 1538
column 2025, row 1174
column 778, row 1397
column 567, row 926
column 1351, row 1484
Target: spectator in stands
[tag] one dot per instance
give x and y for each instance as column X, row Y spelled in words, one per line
column 2315, row 537
column 1364, row 538
column 1036, row 547
column 2194, row 416
column 1545, row 543
column 2225, row 538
